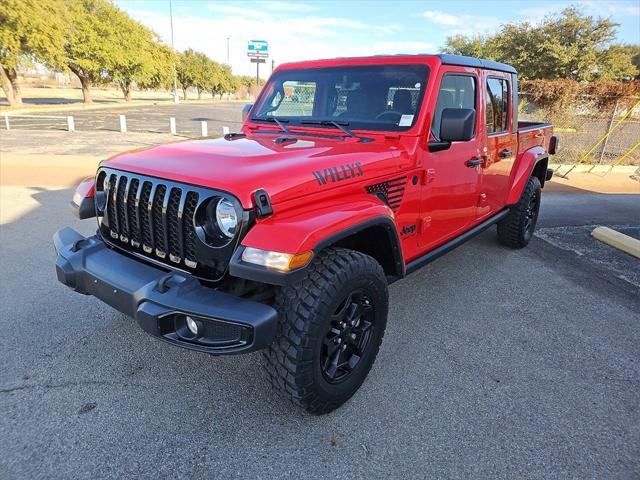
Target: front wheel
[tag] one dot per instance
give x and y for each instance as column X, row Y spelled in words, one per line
column 330, row 329
column 517, row 228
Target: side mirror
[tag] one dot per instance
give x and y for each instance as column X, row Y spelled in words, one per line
column 245, row 110
column 457, row 124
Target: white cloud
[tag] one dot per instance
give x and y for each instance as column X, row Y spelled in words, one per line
column 442, row 18
column 462, row 24
column 291, row 38
column 298, row 7
column 235, row 10
column 601, row 8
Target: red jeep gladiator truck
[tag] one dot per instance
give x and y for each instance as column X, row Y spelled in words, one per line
column 347, row 175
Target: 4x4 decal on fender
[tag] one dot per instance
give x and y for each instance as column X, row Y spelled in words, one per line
column 338, row 174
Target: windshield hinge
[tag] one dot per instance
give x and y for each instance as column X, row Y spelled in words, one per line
column 263, row 203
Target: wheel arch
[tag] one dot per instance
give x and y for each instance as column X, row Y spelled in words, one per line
column 540, row 169
column 533, row 161
column 376, row 237
column 361, row 223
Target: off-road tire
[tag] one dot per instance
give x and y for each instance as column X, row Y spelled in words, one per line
column 293, row 361
column 517, row 228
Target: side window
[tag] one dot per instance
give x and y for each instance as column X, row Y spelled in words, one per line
column 497, row 105
column 456, row 91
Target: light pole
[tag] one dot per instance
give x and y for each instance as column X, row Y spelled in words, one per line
column 228, row 63
column 175, row 79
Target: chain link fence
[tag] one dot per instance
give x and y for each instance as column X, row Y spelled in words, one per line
column 592, row 130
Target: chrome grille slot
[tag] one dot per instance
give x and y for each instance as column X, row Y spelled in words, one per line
column 132, row 211
column 189, row 232
column 121, row 209
column 111, row 202
column 173, row 221
column 145, row 226
column 160, row 246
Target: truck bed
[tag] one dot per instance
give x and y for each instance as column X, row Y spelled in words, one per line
column 531, row 134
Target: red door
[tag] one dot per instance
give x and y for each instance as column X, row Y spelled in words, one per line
column 450, row 190
column 500, row 142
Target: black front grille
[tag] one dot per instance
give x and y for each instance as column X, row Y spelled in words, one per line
column 156, row 218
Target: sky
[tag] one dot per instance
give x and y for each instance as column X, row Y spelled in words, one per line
column 304, row 30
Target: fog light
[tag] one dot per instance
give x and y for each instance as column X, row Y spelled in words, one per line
column 192, row 325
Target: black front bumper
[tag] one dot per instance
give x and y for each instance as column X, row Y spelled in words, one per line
column 160, row 301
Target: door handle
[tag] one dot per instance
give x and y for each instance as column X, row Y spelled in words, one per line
column 506, row 153
column 474, row 162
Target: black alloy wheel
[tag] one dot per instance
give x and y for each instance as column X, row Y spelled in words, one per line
column 348, row 337
column 531, row 214
column 330, row 328
column 516, row 229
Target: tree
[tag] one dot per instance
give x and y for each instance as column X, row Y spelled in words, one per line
column 223, row 81
column 159, row 73
column 187, row 70
column 248, row 80
column 206, row 73
column 475, row 46
column 91, row 39
column 523, row 46
column 132, row 59
column 634, row 51
column 569, row 45
column 104, row 44
column 231, row 83
column 620, row 62
column 31, row 28
column 577, row 44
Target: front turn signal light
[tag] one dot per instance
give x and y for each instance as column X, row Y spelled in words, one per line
column 283, row 262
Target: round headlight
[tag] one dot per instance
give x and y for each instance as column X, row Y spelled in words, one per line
column 226, row 217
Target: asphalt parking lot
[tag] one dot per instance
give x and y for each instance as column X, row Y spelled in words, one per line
column 148, row 118
column 495, row 364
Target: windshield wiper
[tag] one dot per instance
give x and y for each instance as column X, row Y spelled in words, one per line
column 339, row 125
column 277, row 121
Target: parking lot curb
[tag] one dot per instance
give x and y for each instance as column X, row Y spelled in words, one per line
column 595, row 169
column 617, row 240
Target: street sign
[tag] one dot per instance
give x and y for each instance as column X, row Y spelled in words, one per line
column 258, row 48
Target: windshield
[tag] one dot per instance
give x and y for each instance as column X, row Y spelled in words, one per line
column 370, row 97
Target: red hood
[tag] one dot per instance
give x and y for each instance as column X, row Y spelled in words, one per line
column 242, row 166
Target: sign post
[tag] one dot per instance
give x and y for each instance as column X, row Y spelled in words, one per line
column 258, row 52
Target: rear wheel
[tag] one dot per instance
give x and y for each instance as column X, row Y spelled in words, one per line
column 331, row 327
column 517, row 228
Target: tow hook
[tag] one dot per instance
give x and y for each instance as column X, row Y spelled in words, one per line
column 163, row 285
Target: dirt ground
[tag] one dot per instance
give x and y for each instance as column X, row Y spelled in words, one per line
column 611, row 183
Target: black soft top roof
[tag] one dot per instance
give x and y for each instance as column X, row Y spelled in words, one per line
column 475, row 62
